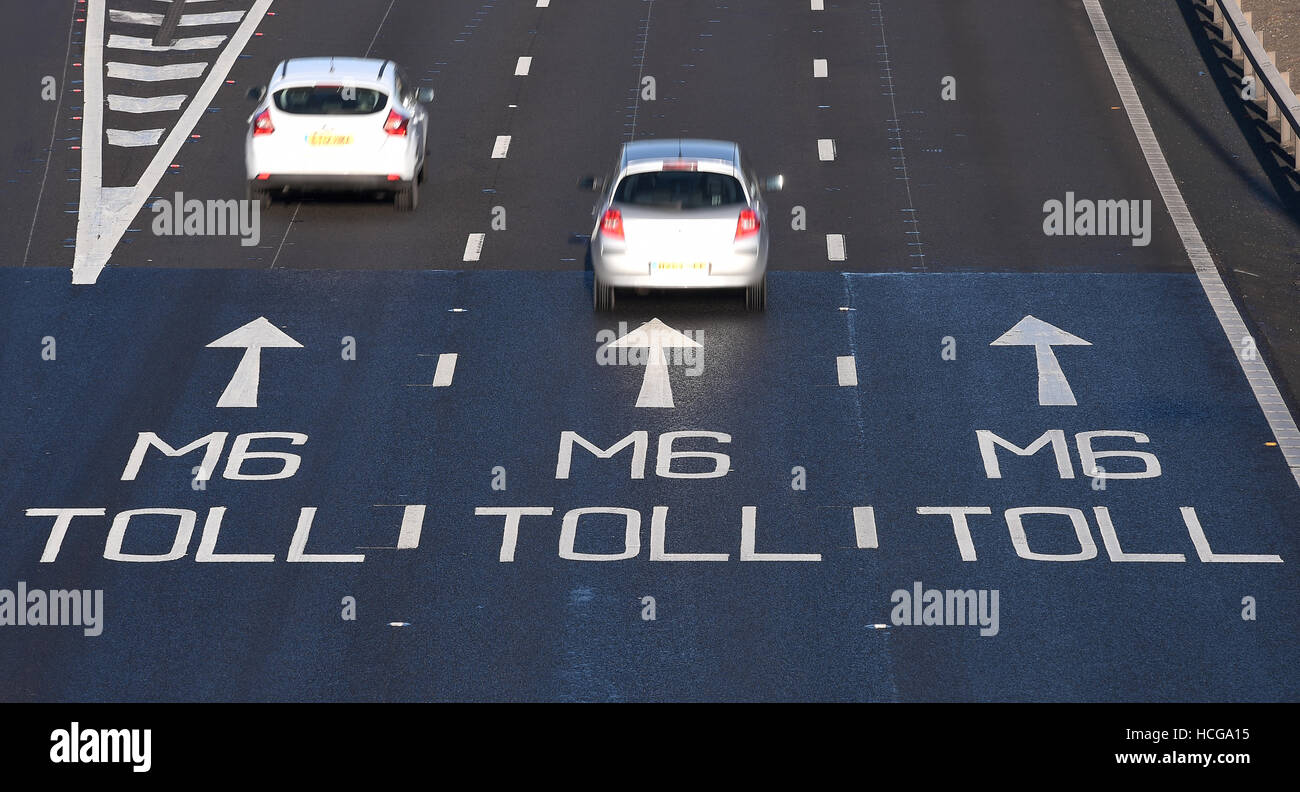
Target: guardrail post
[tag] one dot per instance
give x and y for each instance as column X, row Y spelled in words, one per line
column 1270, row 106
column 1288, row 133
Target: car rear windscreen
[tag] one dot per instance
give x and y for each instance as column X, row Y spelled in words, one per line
column 330, row 100
column 679, row 190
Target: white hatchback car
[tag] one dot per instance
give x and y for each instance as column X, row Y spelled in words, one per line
column 680, row 214
column 337, row 124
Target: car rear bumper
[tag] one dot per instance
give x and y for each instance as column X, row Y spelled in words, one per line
column 320, row 181
column 732, row 271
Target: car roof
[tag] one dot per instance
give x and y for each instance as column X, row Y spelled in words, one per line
column 681, row 148
column 367, row 69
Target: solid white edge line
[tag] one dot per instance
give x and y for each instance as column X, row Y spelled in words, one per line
column 1257, row 375
column 846, row 368
column 92, row 137
column 445, row 371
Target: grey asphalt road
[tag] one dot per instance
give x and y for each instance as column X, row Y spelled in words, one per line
column 951, row 124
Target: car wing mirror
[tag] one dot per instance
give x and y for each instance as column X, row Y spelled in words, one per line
column 424, row 95
column 257, row 93
column 591, row 183
column 774, row 183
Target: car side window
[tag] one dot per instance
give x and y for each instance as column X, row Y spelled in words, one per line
column 405, row 93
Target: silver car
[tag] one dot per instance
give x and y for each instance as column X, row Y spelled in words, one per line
column 680, row 214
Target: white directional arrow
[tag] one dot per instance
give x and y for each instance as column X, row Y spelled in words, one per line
column 1053, row 388
column 656, row 390
column 242, row 390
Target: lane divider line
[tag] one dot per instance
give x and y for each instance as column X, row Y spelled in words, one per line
column 826, row 150
column 835, row 250
column 819, row 67
column 446, row 369
column 500, row 148
column 846, row 366
column 521, row 68
column 473, row 247
column 864, row 527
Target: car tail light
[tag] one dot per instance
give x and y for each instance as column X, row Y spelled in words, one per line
column 611, row 225
column 747, row 225
column 396, row 123
column 681, row 165
column 262, row 123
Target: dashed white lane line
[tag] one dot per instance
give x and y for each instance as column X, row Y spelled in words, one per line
column 473, row 247
column 118, row 41
column 445, row 371
column 522, row 67
column 543, row 3
column 864, row 527
column 408, row 538
column 846, row 367
column 134, row 137
column 500, row 148
column 826, row 149
column 835, row 247
column 145, row 104
column 1256, row 371
column 819, row 67
column 818, row 6
column 143, row 73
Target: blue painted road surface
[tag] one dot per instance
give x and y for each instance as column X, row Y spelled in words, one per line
column 364, row 534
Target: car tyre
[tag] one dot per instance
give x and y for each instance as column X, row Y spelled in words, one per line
column 407, row 198
column 602, row 296
column 260, row 194
column 756, row 295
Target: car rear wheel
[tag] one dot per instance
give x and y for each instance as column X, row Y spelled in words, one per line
column 407, row 198
column 602, row 296
column 260, row 194
column 756, row 296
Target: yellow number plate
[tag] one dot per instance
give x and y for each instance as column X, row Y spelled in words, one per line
column 694, row 267
column 327, row 139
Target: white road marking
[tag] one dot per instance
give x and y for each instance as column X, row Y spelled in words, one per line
column 104, row 214
column 412, row 523
column 118, row 41
column 1257, row 374
column 1053, row 388
column 143, row 73
column 864, row 527
column 656, row 388
column 522, row 67
column 500, row 148
column 134, row 137
column 187, row 20
column 826, row 149
column 473, row 247
column 145, row 104
column 445, row 371
column 241, row 391
column 835, row 250
column 817, row 5
column 819, row 67
column 846, row 366
column 543, row 3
